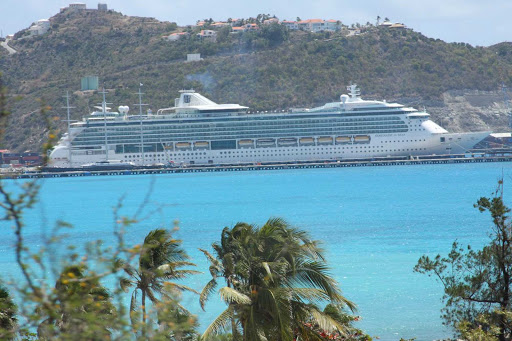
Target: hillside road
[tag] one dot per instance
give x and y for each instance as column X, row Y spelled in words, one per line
column 7, row 47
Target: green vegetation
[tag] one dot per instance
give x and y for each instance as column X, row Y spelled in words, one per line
column 80, row 300
column 277, row 283
column 8, row 320
column 275, row 277
column 160, row 260
column 272, row 68
column 477, row 283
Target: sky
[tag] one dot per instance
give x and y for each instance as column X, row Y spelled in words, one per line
column 477, row 22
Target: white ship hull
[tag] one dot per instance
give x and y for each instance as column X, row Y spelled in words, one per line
column 406, row 144
column 200, row 132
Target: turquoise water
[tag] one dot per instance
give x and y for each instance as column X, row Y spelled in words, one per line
column 375, row 223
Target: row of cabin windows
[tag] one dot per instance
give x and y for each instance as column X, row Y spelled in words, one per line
column 138, row 157
column 155, row 139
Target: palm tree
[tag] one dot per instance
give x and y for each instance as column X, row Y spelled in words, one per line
column 276, row 277
column 160, row 258
column 8, row 321
column 82, row 307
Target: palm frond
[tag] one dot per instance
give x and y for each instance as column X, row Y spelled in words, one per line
column 313, row 295
column 206, row 292
column 151, row 295
column 231, row 295
column 218, row 324
column 326, row 322
column 125, row 284
column 169, row 270
column 133, row 310
column 209, row 256
column 180, row 287
column 267, row 269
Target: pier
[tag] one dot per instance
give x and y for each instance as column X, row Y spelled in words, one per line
column 380, row 162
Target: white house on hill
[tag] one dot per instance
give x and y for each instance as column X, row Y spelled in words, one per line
column 208, row 35
column 40, row 27
column 291, row 25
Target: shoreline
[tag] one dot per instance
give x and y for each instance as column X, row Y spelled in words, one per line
column 438, row 159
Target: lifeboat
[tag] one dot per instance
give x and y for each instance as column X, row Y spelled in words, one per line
column 324, row 140
column 265, row 143
column 307, row 141
column 361, row 139
column 183, row 145
column 246, row 144
column 201, row 145
column 168, row 146
column 287, row 142
column 342, row 139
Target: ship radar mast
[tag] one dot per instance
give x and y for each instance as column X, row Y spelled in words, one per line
column 353, row 91
column 69, row 125
column 140, row 105
column 104, row 111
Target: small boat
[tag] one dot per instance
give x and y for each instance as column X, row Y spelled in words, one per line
column 324, row 140
column 307, row 141
column 201, row 145
column 183, row 145
column 287, row 142
column 343, row 139
column 361, row 139
column 265, row 143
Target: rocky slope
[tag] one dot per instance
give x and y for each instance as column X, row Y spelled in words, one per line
column 266, row 70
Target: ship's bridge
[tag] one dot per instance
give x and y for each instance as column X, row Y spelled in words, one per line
column 191, row 103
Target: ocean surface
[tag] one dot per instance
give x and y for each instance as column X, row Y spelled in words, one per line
column 375, row 223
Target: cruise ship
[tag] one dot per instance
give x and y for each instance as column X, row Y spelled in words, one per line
column 198, row 131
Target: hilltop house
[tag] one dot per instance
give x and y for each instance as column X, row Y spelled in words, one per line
column 219, row 24
column 237, row 29
column 319, row 25
column 208, row 35
column 332, row 25
column 251, row 27
column 291, row 25
column 40, row 27
column 271, row 21
column 77, row 6
column 389, row 24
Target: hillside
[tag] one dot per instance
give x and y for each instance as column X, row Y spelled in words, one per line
column 266, row 70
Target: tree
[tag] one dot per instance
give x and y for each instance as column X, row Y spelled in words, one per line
column 176, row 323
column 276, row 277
column 477, row 283
column 82, row 300
column 8, row 320
column 274, row 33
column 160, row 260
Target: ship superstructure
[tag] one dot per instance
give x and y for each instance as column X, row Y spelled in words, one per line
column 199, row 131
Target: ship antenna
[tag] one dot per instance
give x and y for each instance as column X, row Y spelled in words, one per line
column 140, row 105
column 69, row 125
column 104, row 109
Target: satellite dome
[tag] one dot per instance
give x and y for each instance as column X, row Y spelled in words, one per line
column 123, row 109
